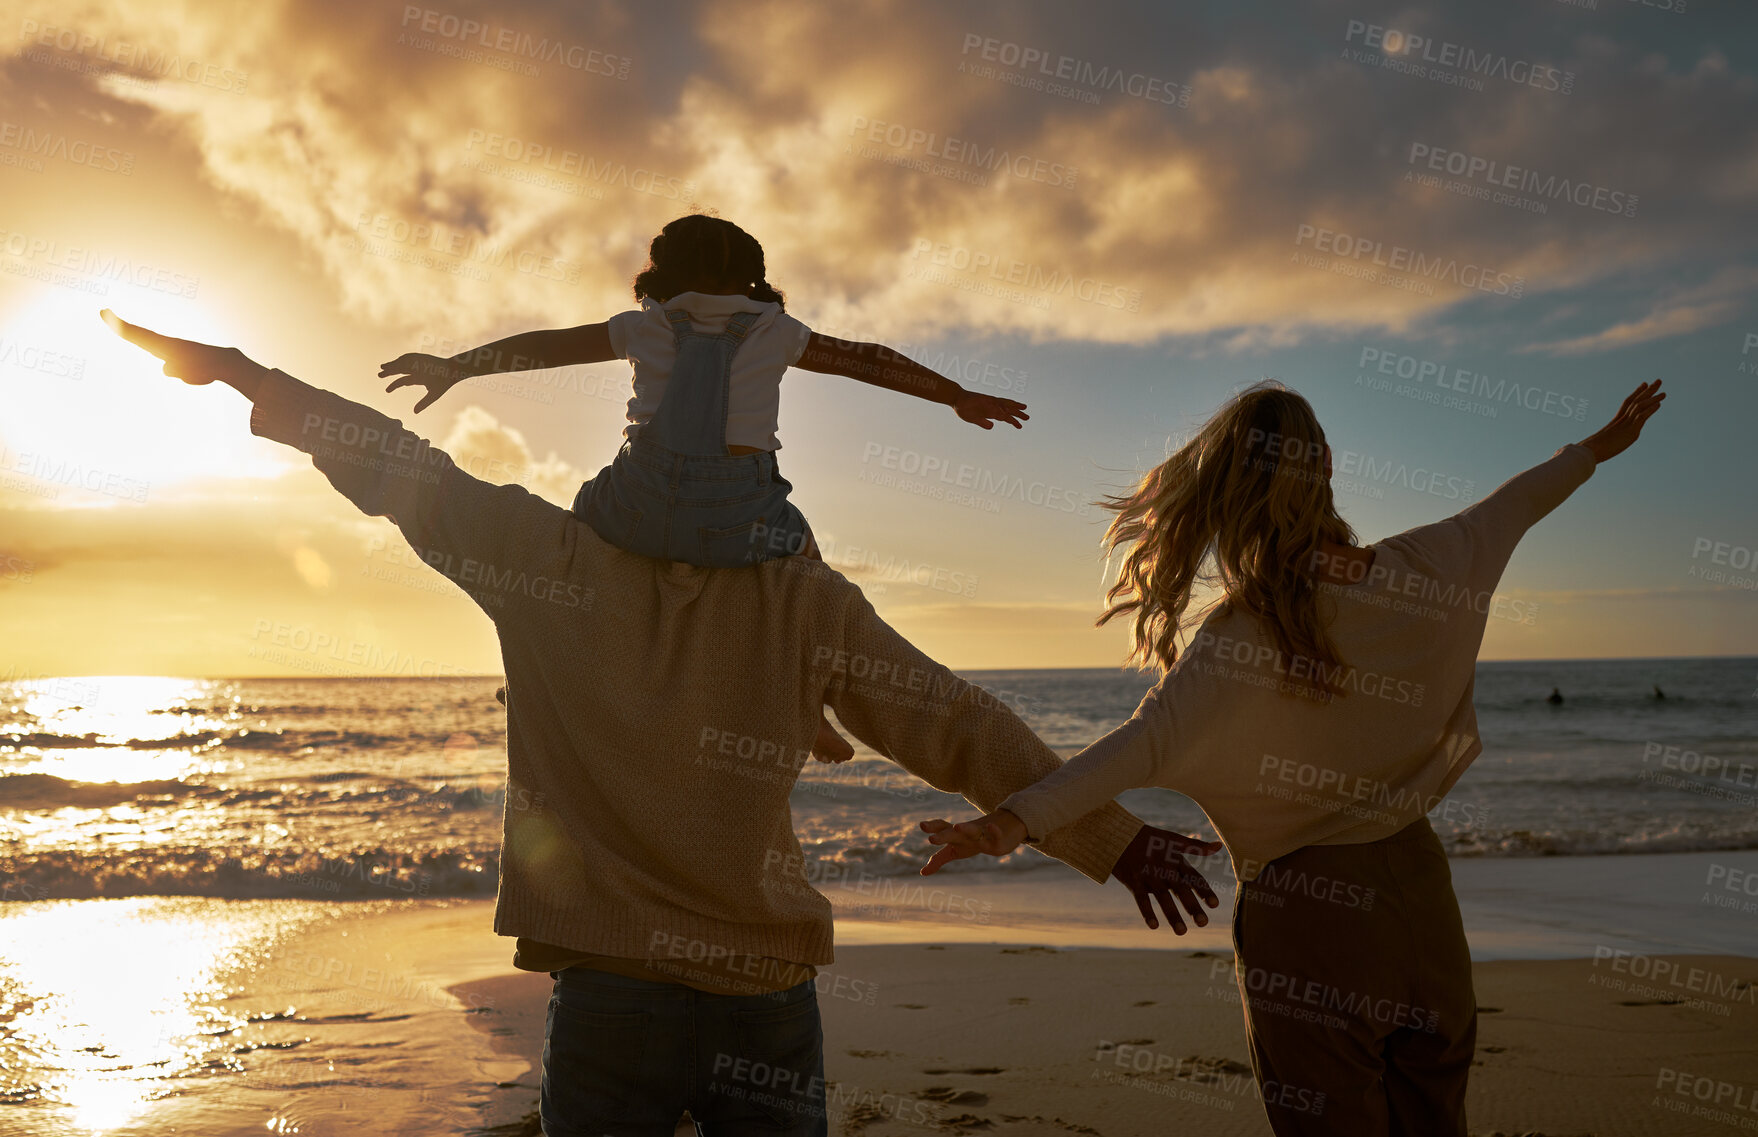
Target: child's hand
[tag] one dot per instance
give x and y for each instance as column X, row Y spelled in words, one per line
column 430, row 371
column 980, row 409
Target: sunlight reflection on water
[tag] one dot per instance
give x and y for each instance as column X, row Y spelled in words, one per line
column 106, row 1005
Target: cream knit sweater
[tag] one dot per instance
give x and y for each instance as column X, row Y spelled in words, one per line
column 658, row 713
column 1276, row 772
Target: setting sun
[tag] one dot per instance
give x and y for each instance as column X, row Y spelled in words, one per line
column 98, row 423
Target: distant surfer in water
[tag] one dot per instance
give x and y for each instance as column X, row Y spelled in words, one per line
column 1556, row 698
column 1658, row 693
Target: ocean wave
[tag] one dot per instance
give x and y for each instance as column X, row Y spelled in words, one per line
column 46, row 791
column 378, row 873
column 41, row 741
column 832, row 858
column 39, row 791
column 175, row 741
column 360, row 874
column 283, row 740
column 1521, row 843
column 288, row 741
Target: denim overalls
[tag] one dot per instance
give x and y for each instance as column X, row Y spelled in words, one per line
column 673, row 492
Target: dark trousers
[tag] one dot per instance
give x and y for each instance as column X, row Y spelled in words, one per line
column 1356, row 980
column 625, row 1057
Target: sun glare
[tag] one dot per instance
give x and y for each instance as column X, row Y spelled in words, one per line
column 91, row 420
column 119, row 716
column 114, row 1001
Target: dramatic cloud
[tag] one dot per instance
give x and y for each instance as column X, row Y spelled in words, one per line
column 428, row 166
column 499, row 454
column 1676, row 312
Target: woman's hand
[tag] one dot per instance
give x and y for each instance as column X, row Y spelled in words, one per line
column 1154, row 868
column 418, row 369
column 1616, row 436
column 980, row 409
column 996, row 834
column 194, row 363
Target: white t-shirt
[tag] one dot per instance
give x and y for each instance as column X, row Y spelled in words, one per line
column 775, row 341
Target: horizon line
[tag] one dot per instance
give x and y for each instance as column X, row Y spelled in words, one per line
column 502, row 675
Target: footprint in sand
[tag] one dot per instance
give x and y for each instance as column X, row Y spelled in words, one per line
column 1143, row 1003
column 1016, row 1118
column 1489, row 1010
column 871, row 1054
column 1018, row 1001
column 969, row 1070
column 912, row 1006
column 946, row 1095
column 1204, row 1068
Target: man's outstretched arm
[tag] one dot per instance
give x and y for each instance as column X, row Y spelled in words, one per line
column 962, row 739
column 462, row 526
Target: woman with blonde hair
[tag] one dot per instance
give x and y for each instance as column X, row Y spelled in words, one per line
column 1322, row 709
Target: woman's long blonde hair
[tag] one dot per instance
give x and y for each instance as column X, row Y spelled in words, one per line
column 1245, row 504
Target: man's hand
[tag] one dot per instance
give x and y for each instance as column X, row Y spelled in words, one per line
column 996, row 834
column 194, row 363
column 420, row 369
column 1616, row 436
column 1154, row 867
column 980, row 409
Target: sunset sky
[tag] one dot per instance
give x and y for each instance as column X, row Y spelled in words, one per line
column 1465, row 232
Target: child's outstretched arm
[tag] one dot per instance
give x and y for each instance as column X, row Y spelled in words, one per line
column 882, row 367
column 526, row 351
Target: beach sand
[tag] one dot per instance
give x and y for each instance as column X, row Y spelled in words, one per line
column 1022, row 1027
column 1619, row 996
column 1033, row 1040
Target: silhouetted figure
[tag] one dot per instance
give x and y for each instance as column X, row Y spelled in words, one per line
column 1658, row 693
column 696, row 480
column 1556, row 698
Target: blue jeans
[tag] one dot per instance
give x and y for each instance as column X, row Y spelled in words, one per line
column 625, row 1057
column 715, row 511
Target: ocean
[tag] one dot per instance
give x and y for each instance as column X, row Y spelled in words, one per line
column 348, row 789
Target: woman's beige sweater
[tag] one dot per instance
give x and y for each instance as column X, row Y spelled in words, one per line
column 1275, row 771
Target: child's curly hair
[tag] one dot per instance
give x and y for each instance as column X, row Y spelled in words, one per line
column 700, row 248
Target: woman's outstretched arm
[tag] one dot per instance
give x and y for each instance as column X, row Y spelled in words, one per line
column 1478, row 541
column 525, row 351
column 1135, row 754
column 1496, row 524
column 883, row 367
